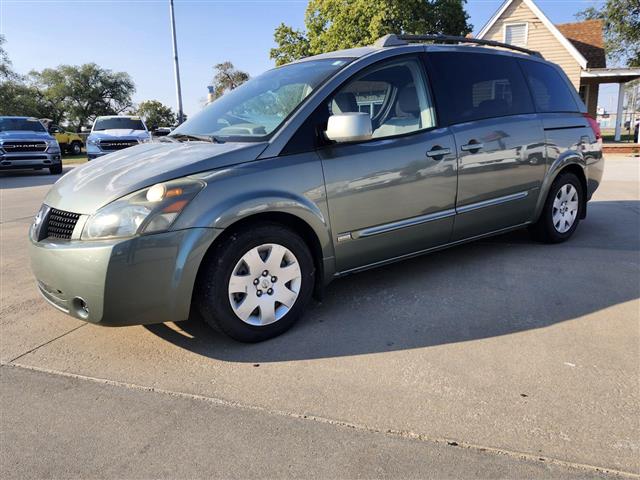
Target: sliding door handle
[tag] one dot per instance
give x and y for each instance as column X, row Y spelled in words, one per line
column 473, row 146
column 438, row 152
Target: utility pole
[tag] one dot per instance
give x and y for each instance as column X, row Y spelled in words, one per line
column 176, row 68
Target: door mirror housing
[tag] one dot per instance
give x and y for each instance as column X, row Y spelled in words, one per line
column 84, row 129
column 349, row 127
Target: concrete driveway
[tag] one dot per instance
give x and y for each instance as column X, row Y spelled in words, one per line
column 501, row 358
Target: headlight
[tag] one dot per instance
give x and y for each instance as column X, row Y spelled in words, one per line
column 93, row 141
column 52, row 146
column 153, row 209
column 144, row 139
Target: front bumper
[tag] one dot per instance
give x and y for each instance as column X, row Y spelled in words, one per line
column 140, row 280
column 94, row 152
column 28, row 160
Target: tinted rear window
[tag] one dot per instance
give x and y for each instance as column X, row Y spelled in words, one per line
column 550, row 91
column 471, row 86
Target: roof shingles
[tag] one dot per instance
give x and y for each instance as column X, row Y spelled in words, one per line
column 588, row 39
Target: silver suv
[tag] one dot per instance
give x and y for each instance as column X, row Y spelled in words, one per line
column 26, row 144
column 314, row 170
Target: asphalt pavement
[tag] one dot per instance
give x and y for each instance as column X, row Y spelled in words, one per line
column 503, row 358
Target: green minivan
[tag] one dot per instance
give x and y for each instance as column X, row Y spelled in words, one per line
column 317, row 169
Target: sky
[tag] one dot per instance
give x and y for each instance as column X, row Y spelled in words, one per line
column 134, row 36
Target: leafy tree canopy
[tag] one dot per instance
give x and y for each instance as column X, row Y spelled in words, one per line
column 156, row 113
column 6, row 71
column 338, row 24
column 621, row 29
column 16, row 97
column 81, row 93
column 226, row 78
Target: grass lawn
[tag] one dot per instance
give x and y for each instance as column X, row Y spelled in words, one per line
column 74, row 159
column 609, row 133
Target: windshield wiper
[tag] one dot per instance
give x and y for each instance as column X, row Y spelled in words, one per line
column 189, row 137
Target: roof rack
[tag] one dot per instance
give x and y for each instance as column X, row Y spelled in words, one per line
column 393, row 40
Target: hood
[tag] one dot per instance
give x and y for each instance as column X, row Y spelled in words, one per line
column 96, row 183
column 119, row 133
column 22, row 135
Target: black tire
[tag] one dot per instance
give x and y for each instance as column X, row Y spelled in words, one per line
column 544, row 230
column 211, row 294
column 76, row 148
column 55, row 169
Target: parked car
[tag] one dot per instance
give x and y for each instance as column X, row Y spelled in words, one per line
column 291, row 180
column 69, row 142
column 162, row 131
column 112, row 133
column 26, row 144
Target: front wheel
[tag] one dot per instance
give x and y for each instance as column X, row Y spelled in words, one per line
column 562, row 210
column 76, row 148
column 55, row 169
column 256, row 283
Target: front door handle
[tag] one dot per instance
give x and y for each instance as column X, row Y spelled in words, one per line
column 438, row 152
column 473, row 146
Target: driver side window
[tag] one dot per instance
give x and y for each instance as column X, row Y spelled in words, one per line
column 394, row 95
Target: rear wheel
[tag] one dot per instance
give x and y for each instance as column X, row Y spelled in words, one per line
column 562, row 210
column 257, row 283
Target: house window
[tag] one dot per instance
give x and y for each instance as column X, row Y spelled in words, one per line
column 516, row 34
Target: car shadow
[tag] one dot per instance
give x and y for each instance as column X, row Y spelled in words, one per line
column 10, row 179
column 498, row 286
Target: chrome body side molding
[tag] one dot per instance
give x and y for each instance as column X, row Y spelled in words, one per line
column 409, row 222
column 491, row 202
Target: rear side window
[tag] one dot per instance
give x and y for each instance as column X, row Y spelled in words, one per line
column 472, row 86
column 550, row 91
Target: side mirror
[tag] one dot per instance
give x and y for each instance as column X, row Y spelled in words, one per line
column 349, row 127
column 154, row 127
column 84, row 129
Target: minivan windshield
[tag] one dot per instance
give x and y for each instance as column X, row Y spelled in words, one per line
column 258, row 107
column 118, row 123
column 21, row 124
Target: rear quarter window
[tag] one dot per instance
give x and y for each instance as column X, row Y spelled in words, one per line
column 473, row 86
column 550, row 91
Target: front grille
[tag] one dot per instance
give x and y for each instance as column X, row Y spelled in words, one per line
column 111, row 145
column 60, row 224
column 15, row 146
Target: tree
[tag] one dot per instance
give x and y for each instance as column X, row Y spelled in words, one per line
column 6, row 71
column 292, row 44
column 338, row 24
column 81, row 93
column 621, row 29
column 226, row 78
column 156, row 113
column 16, row 97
